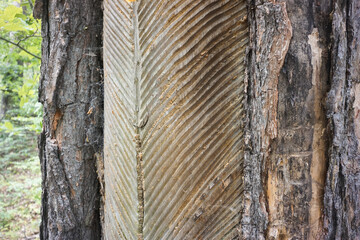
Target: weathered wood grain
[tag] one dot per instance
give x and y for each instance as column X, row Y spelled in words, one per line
column 174, row 90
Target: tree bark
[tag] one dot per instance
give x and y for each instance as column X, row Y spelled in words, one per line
column 71, row 141
column 287, row 124
column 270, row 35
column 342, row 192
column 298, row 167
column 4, row 104
column 302, row 138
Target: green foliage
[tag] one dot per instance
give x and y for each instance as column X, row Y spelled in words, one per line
column 20, row 120
column 19, row 71
column 20, row 195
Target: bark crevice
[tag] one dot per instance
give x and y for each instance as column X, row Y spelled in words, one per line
column 270, row 34
column 342, row 192
column 71, row 92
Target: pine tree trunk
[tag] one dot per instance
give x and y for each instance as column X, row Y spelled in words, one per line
column 201, row 143
column 71, row 142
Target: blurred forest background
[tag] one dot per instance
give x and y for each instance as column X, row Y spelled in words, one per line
column 20, row 120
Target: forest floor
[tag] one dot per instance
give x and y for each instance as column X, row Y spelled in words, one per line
column 20, row 187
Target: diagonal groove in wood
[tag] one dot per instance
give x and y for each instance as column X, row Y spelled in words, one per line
column 174, row 94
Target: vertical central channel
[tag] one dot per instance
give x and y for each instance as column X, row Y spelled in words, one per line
column 174, row 110
column 139, row 163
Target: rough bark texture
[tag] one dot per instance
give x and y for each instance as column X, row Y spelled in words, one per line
column 297, row 166
column 300, row 175
column 71, row 92
column 342, row 194
column 270, row 34
column 285, row 161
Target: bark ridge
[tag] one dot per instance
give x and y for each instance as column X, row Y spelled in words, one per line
column 71, row 92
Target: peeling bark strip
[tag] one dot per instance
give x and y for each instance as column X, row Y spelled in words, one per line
column 174, row 93
column 319, row 141
column 342, row 204
column 286, row 157
column 298, row 162
column 71, row 92
column 271, row 32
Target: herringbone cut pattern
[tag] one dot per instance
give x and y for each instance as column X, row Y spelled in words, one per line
column 174, row 92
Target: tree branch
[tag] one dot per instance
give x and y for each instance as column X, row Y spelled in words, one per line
column 27, row 37
column 17, row 45
column 31, row 5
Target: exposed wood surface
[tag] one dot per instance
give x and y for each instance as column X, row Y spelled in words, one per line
column 174, row 90
column 270, row 35
column 286, row 135
column 225, row 119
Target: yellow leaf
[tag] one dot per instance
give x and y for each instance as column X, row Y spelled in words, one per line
column 9, row 126
column 10, row 12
